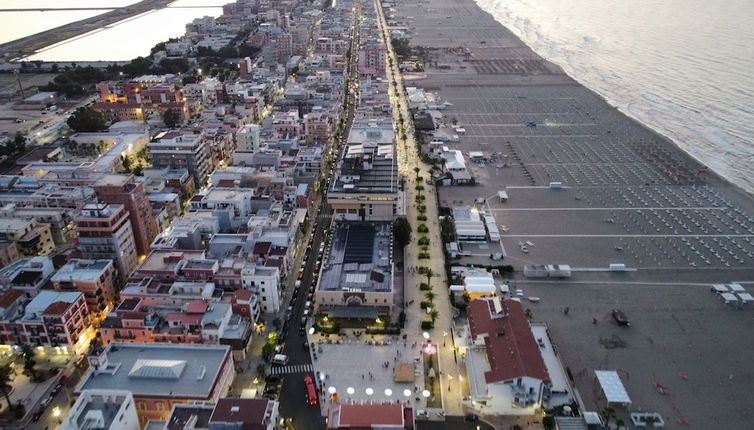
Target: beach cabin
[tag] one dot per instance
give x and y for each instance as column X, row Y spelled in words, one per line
column 729, row 298
column 745, row 298
column 736, row 288
column 719, row 288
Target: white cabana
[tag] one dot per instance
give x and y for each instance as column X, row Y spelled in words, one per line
column 719, row 288
column 736, row 288
column 745, row 298
column 612, row 388
column 729, row 298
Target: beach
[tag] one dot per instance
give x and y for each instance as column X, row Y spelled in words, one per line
column 627, row 195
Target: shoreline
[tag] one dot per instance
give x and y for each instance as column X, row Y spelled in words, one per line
column 623, row 109
column 710, row 177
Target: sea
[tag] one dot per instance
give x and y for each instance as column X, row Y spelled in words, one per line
column 684, row 68
column 120, row 41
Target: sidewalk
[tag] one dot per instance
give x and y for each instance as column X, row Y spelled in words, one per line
column 451, row 381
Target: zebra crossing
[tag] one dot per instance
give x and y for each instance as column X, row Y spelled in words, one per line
column 294, row 368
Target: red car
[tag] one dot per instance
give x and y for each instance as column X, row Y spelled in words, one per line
column 311, row 391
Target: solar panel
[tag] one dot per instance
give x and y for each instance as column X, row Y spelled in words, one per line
column 359, row 244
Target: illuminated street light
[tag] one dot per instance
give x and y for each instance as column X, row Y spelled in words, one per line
column 331, row 390
column 388, row 392
column 426, row 335
column 407, row 392
column 425, row 393
column 369, row 391
column 350, row 390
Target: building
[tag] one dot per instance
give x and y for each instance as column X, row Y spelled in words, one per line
column 27, row 274
column 8, row 253
column 31, row 237
column 53, row 320
column 366, row 182
column 124, row 190
column 104, row 232
column 244, row 414
column 468, row 224
column 505, row 366
column 357, row 272
column 182, row 150
column 367, row 416
column 102, row 410
column 93, row 278
column 160, row 376
column 59, row 219
column 264, row 282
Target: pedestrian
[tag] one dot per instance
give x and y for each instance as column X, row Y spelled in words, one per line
column 362, row 376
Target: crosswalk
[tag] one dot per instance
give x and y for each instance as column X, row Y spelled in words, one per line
column 294, row 368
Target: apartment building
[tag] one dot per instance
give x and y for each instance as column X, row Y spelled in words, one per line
column 93, row 278
column 104, row 232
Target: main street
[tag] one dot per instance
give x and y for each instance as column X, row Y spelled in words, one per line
column 293, row 392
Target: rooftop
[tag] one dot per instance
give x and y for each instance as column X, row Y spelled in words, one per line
column 253, row 413
column 82, row 270
column 183, row 416
column 511, row 348
column 159, row 370
column 360, row 258
column 368, row 416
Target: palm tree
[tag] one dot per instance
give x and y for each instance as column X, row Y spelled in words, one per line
column 5, row 372
column 27, row 351
column 434, row 314
column 429, row 274
column 429, row 295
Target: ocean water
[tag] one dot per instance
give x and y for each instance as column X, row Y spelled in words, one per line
column 17, row 24
column 685, row 68
column 131, row 37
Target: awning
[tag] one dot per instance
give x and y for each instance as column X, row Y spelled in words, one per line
column 359, row 312
column 612, row 387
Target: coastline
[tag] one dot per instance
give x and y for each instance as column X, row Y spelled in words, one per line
column 745, row 185
column 590, row 186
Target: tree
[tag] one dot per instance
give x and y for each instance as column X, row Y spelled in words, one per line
column 429, row 295
column 126, row 161
column 5, row 372
column 402, row 232
column 27, row 351
column 86, row 119
column 434, row 314
column 261, row 370
column 429, row 274
column 171, row 118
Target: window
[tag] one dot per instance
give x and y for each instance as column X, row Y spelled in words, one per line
column 160, row 406
column 142, row 406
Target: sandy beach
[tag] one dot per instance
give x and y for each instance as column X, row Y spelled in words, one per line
column 629, row 196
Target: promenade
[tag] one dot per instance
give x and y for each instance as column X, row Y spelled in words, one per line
column 452, row 385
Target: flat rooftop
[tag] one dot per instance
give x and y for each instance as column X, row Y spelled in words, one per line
column 359, row 258
column 81, row 270
column 159, row 370
column 167, row 260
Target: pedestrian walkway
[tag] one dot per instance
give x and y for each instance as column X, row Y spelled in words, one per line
column 294, row 368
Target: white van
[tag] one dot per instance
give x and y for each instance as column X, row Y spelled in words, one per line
column 280, row 359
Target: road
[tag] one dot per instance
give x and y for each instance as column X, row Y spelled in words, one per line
column 292, row 394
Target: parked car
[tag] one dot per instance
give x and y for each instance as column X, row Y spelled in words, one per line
column 471, row 417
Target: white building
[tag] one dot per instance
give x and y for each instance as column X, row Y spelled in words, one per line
column 506, row 370
column 249, row 137
column 263, row 281
column 102, row 410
